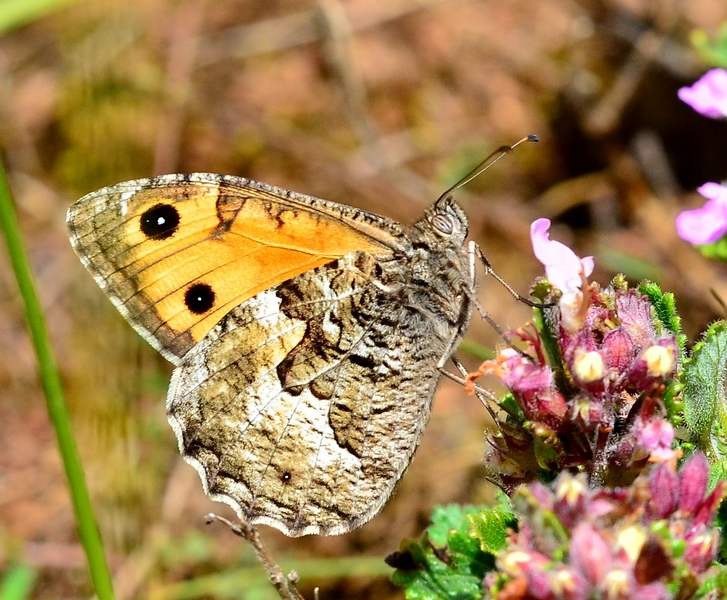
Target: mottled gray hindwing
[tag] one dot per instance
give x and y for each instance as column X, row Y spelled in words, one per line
column 303, row 406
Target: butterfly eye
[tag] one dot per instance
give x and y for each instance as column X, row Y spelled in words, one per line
column 443, row 224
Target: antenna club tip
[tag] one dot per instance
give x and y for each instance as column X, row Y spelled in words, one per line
column 532, row 138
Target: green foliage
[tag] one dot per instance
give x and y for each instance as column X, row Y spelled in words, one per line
column 17, row 582
column 15, row 13
column 713, row 52
column 490, row 526
column 721, row 522
column 703, row 377
column 716, row 250
column 665, row 308
column 716, row 587
column 705, row 404
column 453, row 555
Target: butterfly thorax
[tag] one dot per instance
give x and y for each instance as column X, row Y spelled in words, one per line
column 440, row 283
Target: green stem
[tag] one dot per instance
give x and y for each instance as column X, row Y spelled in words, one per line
column 50, row 380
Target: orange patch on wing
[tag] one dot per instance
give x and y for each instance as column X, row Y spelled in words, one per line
column 263, row 243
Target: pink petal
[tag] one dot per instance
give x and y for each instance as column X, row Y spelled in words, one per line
column 563, row 268
column 708, row 95
column 703, row 225
column 713, row 191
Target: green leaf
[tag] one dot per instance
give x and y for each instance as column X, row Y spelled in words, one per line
column 544, row 523
column 720, row 521
column 447, row 562
column 703, row 377
column 704, row 398
column 491, row 526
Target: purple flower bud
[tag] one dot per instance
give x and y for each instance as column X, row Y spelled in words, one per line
column 702, row 550
column 590, row 554
column 693, row 478
column 706, row 511
column 708, row 95
column 634, row 312
column 618, row 350
column 569, row 585
column 664, row 486
column 539, row 585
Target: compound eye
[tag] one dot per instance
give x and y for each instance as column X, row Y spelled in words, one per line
column 443, row 224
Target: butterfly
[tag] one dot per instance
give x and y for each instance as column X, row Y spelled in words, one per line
column 307, row 336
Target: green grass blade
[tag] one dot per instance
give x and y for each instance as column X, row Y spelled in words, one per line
column 18, row 581
column 14, row 13
column 50, row 380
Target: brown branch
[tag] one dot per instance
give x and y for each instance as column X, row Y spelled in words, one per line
column 285, row 585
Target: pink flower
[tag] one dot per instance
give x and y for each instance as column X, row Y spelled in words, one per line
column 707, row 224
column 657, row 436
column 564, row 270
column 708, row 96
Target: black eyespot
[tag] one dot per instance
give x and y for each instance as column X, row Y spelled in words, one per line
column 443, row 223
column 286, row 477
column 160, row 222
column 199, row 298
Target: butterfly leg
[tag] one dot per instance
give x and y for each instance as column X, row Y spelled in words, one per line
column 490, row 271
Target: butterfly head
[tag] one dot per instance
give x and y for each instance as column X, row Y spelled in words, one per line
column 446, row 219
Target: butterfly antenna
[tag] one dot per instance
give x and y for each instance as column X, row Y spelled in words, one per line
column 488, row 162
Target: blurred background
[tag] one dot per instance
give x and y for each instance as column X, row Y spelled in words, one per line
column 378, row 104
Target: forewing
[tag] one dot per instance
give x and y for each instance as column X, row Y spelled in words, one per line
column 176, row 253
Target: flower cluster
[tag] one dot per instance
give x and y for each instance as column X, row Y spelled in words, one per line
column 651, row 541
column 585, row 392
column 708, row 224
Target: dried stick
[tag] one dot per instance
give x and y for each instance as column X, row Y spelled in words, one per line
column 285, row 585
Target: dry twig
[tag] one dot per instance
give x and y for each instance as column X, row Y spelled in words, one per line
column 285, row 585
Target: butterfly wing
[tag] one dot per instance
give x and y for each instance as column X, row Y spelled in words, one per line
column 176, row 253
column 303, row 406
column 306, row 335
